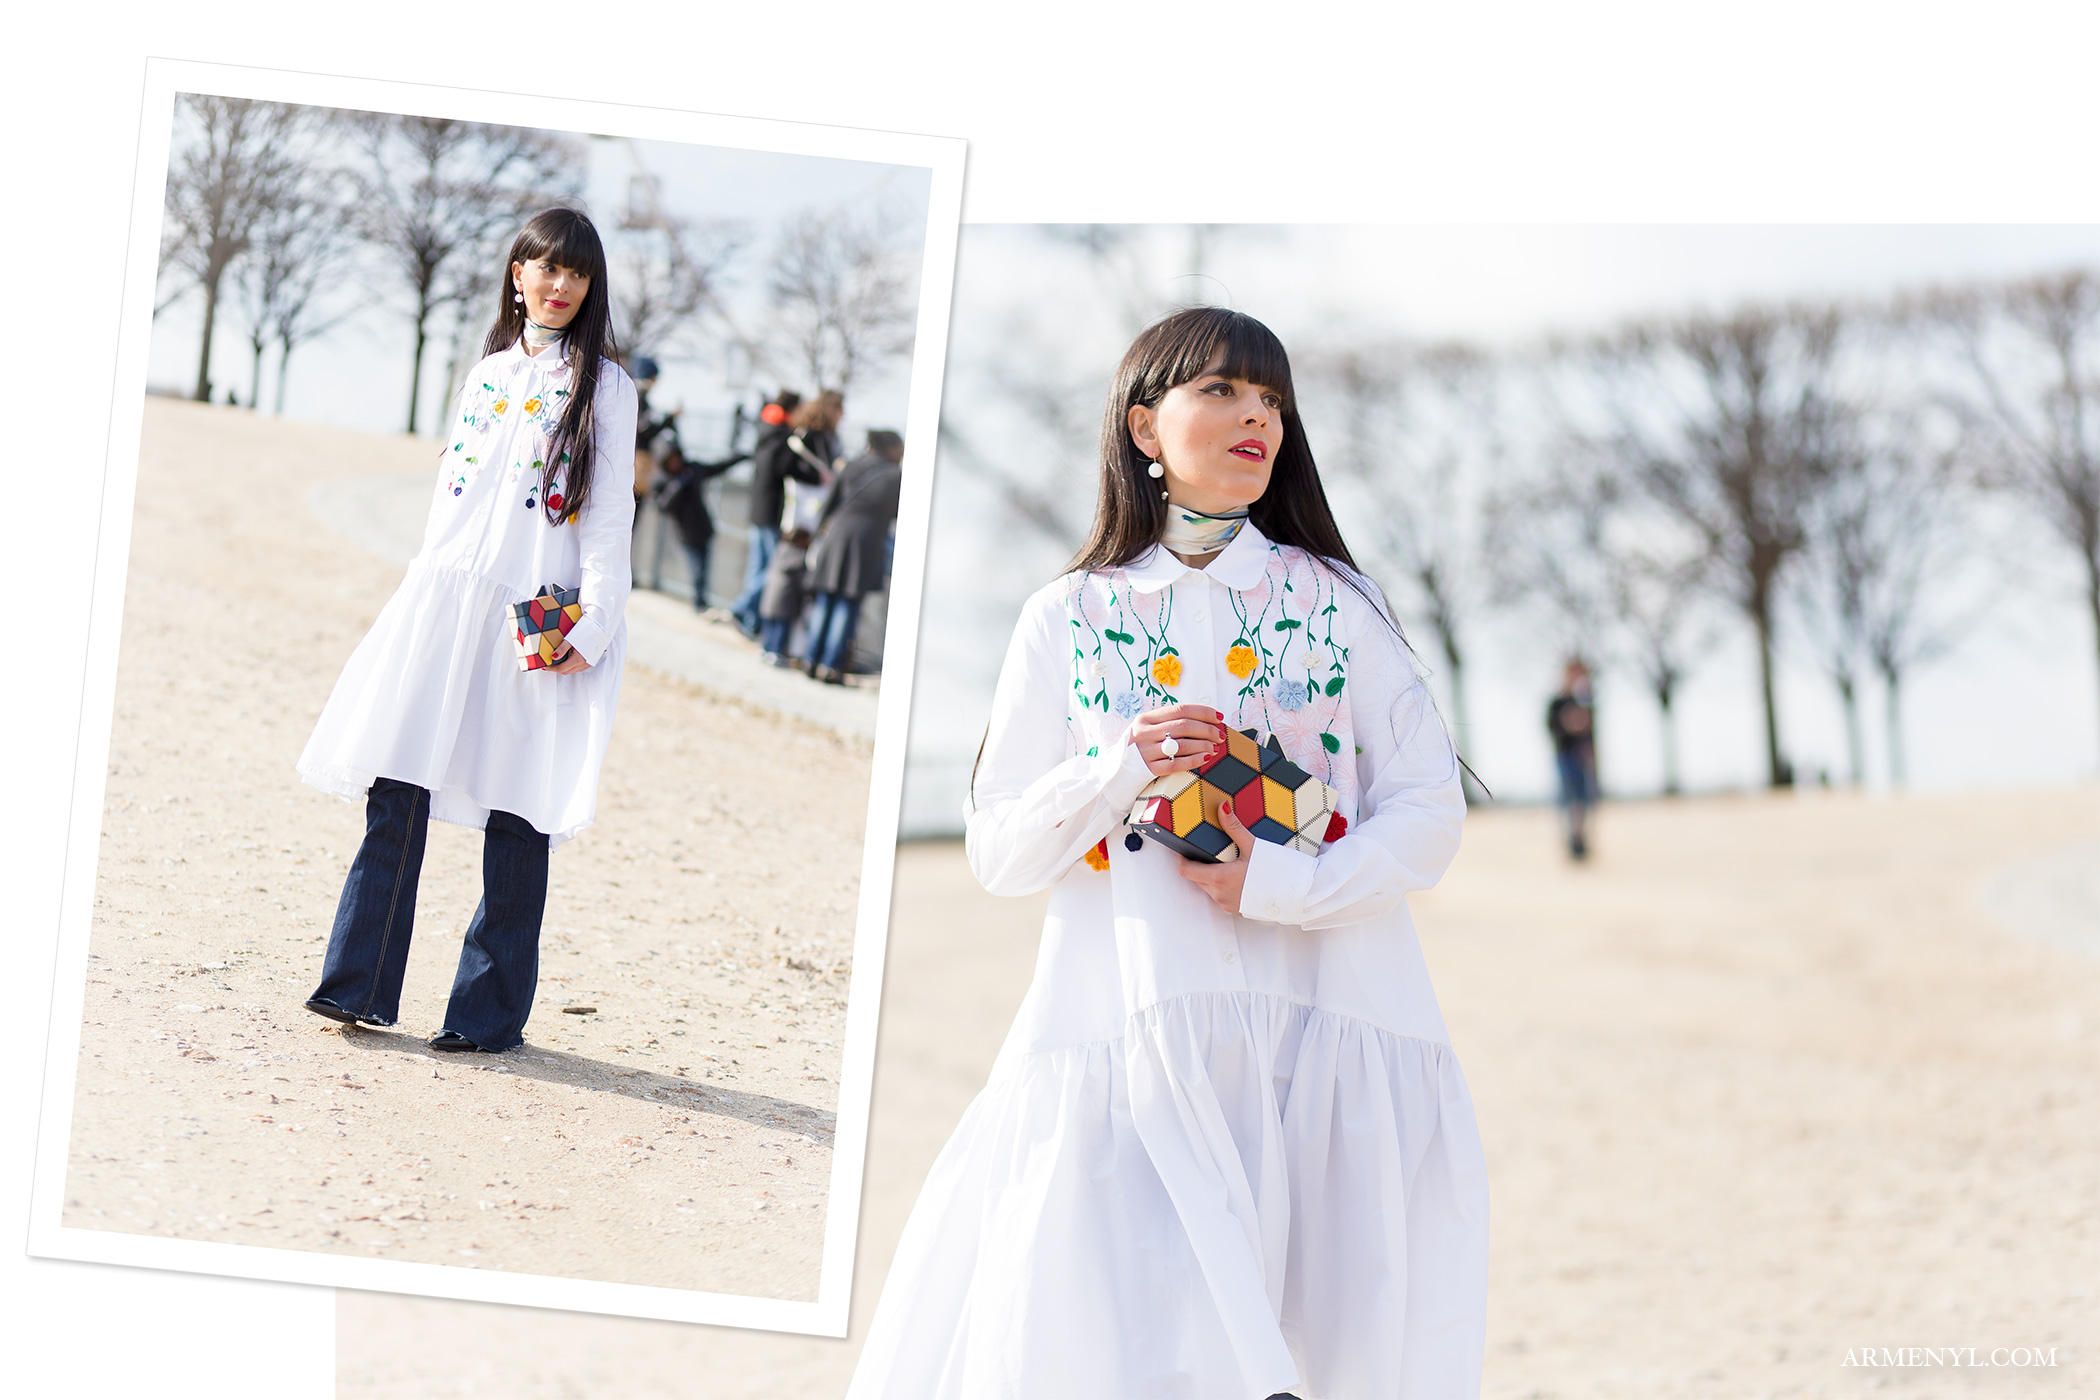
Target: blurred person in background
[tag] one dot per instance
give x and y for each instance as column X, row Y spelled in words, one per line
column 650, row 430
column 1571, row 719
column 768, row 471
column 680, row 493
column 809, row 458
column 851, row 557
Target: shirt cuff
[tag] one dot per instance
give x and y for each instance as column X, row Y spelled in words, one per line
column 1278, row 881
column 1123, row 776
column 589, row 637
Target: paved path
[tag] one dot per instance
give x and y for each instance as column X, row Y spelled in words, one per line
column 2055, row 896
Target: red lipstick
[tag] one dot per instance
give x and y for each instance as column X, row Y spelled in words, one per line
column 1255, row 447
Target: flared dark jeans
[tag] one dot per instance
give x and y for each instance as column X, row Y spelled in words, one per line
column 499, row 964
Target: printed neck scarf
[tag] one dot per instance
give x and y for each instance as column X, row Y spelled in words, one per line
column 1190, row 532
column 538, row 337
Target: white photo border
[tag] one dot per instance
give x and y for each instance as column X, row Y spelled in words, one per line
column 48, row 1236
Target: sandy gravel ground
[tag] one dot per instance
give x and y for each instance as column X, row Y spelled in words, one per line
column 1767, row 1081
column 678, row 1135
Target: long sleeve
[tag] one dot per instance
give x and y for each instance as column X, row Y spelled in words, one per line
column 607, row 520
column 1409, row 813
column 800, row 464
column 1033, row 810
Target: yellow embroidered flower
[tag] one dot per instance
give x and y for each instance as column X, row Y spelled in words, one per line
column 1097, row 855
column 498, row 406
column 1240, row 661
column 532, row 405
column 1167, row 671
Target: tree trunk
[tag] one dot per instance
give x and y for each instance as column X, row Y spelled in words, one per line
column 1899, row 774
column 211, row 316
column 255, row 374
column 415, row 372
column 1854, row 743
column 2092, row 596
column 1776, row 768
column 1664, row 696
column 284, row 368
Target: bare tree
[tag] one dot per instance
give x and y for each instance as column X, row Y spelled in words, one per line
column 298, row 247
column 1420, row 441
column 1618, row 583
column 1049, row 512
column 1731, row 424
column 670, row 271
column 234, row 161
column 843, row 290
column 437, row 197
column 1840, row 555
column 2032, row 355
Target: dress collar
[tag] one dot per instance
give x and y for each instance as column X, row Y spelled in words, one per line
column 1239, row 565
column 559, row 365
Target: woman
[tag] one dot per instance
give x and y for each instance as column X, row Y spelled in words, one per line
column 1226, row 1150
column 432, row 716
column 768, row 473
column 851, row 556
column 809, row 459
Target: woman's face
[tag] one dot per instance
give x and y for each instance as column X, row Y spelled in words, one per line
column 1217, row 438
column 553, row 293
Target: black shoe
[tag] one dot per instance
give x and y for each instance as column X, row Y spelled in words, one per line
column 452, row 1042
column 348, row 1018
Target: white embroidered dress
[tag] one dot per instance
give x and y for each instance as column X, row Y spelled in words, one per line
column 433, row 694
column 1219, row 1156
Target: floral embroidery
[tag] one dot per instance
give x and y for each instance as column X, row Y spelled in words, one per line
column 1121, row 625
column 474, row 408
column 499, row 407
column 1337, row 827
column 1097, row 855
column 1287, row 659
column 462, row 476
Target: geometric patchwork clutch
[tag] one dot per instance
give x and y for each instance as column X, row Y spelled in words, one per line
column 541, row 624
column 1273, row 798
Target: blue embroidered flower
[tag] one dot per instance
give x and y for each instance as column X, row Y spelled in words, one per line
column 1129, row 703
column 1289, row 697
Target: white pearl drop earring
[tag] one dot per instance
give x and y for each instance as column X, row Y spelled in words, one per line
column 518, row 297
column 1155, row 471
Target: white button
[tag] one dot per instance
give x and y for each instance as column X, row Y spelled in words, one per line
column 1232, row 957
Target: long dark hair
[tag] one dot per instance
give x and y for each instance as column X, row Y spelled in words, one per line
column 1130, row 514
column 567, row 239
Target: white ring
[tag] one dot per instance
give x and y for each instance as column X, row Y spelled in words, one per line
column 1170, row 746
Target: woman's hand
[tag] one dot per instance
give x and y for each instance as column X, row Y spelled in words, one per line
column 1197, row 731
column 567, row 661
column 1223, row 882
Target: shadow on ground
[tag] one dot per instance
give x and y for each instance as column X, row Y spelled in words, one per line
column 578, row 1071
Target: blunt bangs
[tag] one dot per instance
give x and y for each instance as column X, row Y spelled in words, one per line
column 565, row 238
column 1251, row 352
